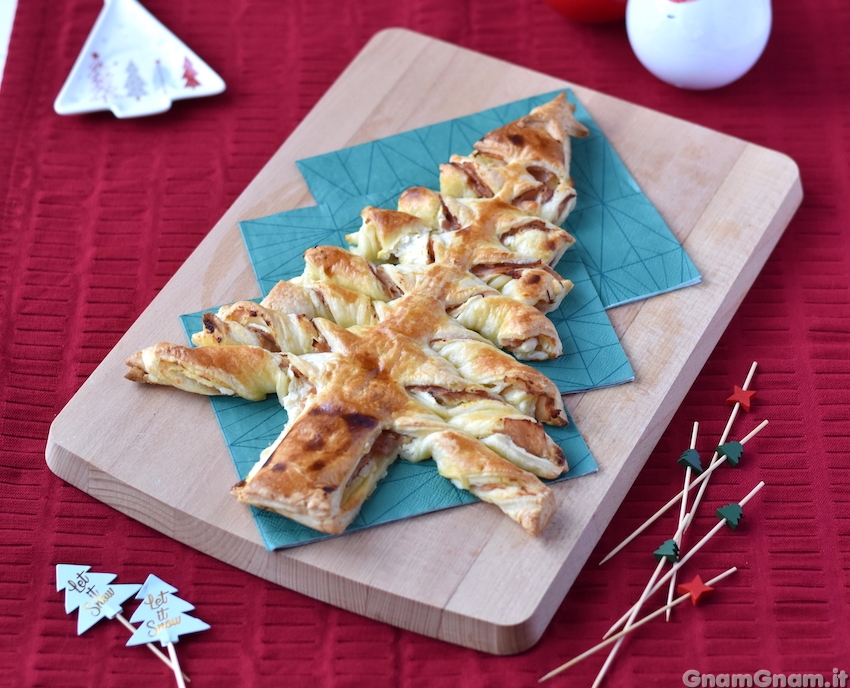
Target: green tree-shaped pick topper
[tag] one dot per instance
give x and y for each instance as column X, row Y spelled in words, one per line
column 733, row 451
column 669, row 550
column 690, row 459
column 732, row 514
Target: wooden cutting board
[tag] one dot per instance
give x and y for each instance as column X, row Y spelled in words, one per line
column 467, row 575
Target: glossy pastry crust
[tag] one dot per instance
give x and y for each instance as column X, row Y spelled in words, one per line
column 394, row 347
column 374, row 384
column 525, row 163
column 246, row 371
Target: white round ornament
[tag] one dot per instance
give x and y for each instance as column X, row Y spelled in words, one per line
column 698, row 44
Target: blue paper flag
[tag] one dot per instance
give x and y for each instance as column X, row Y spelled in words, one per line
column 162, row 615
column 91, row 593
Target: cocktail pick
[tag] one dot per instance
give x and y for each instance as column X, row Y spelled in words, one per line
column 696, row 589
column 729, row 452
column 163, row 618
column 668, row 552
column 96, row 599
column 691, row 461
column 694, row 483
column 692, row 591
column 711, row 533
column 731, row 514
column 740, row 398
column 733, row 451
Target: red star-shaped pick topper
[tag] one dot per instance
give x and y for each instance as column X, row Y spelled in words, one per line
column 741, row 396
column 696, row 589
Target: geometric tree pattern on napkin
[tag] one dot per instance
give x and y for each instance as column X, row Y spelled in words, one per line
column 593, row 356
column 629, row 251
column 411, row 158
column 407, row 490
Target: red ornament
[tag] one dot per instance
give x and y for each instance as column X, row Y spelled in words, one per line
column 590, row 11
column 696, row 589
column 744, row 397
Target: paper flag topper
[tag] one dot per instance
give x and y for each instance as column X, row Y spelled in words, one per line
column 669, row 550
column 732, row 514
column 91, row 593
column 162, row 615
column 690, row 458
column 132, row 65
column 733, row 451
column 154, row 583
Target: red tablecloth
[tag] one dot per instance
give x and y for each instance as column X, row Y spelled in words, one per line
column 98, row 213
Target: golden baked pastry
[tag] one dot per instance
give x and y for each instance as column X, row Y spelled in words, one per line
column 253, row 324
column 525, row 163
column 393, row 348
column 378, row 392
column 505, row 318
column 246, row 371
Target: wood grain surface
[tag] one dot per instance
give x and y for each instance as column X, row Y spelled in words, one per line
column 468, row 575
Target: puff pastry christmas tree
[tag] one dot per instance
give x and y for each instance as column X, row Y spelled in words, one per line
column 393, row 348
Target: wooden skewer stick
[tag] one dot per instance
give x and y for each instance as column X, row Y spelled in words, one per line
column 683, row 513
column 723, row 439
column 679, row 564
column 647, row 591
column 613, row 652
column 176, row 666
column 716, row 461
column 694, row 483
column 629, row 629
column 153, row 648
column 632, row 617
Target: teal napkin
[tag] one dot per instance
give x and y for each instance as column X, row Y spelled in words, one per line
column 629, row 251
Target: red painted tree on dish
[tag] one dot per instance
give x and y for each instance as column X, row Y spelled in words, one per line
column 189, row 74
column 101, row 79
